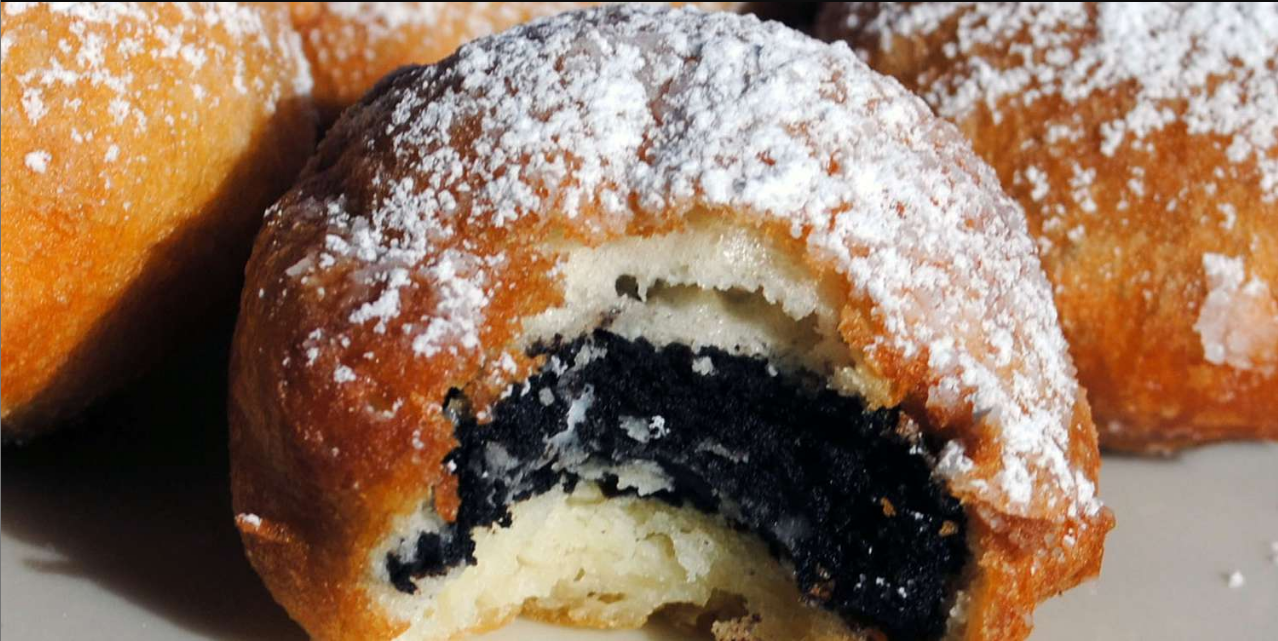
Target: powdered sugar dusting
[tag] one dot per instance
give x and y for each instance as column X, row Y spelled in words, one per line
column 97, row 55
column 1238, row 320
column 633, row 113
column 1211, row 66
column 367, row 39
column 463, row 297
column 383, row 20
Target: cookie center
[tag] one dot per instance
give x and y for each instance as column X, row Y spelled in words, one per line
column 828, row 484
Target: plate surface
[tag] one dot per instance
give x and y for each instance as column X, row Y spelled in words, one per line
column 122, row 530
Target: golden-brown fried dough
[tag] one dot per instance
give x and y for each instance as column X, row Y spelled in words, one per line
column 141, row 143
column 353, row 44
column 633, row 308
column 1142, row 141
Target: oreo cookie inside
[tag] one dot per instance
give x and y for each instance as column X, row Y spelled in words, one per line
column 829, row 485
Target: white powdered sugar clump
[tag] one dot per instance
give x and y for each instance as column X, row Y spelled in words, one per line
column 598, row 119
column 386, row 306
column 1238, row 320
column 343, row 374
column 38, row 160
column 1209, row 66
column 248, row 520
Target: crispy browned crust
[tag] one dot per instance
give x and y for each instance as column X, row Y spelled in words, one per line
column 134, row 229
column 349, row 53
column 325, row 477
column 1130, row 292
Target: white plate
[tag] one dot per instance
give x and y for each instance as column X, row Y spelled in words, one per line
column 125, row 533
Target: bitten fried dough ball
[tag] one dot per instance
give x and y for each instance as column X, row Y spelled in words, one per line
column 141, row 142
column 637, row 310
column 353, row 44
column 1142, row 141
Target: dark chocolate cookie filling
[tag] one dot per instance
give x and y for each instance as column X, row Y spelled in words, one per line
column 827, row 483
